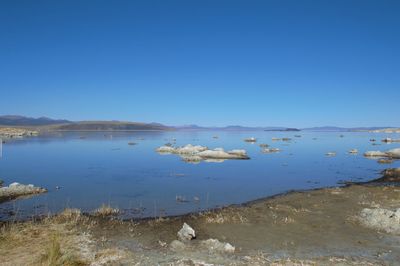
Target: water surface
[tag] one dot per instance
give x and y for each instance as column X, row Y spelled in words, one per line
column 92, row 168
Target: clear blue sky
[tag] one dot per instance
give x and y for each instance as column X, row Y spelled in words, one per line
column 290, row 63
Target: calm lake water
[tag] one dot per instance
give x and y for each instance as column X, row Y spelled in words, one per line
column 96, row 168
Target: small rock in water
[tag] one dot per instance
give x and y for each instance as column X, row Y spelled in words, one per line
column 353, row 151
column 179, row 198
column 186, row 233
column 385, row 161
column 330, row 154
column 197, row 199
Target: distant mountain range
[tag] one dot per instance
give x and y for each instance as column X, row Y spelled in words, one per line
column 109, row 125
column 63, row 124
column 342, row 129
column 17, row 120
column 235, row 128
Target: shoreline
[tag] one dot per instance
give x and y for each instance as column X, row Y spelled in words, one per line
column 306, row 227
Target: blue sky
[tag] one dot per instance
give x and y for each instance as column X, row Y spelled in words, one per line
column 289, row 63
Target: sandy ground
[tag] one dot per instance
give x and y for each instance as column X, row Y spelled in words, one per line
column 318, row 227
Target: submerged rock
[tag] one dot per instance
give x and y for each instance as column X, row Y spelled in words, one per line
column 186, row 233
column 353, row 151
column 214, row 245
column 263, row 145
column 385, row 161
column 15, row 190
column 381, row 219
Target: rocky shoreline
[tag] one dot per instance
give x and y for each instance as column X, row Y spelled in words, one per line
column 9, row 133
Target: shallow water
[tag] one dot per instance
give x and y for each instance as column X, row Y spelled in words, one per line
column 92, row 168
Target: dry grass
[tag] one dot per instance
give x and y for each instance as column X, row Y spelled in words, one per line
column 40, row 243
column 223, row 217
column 54, row 256
column 106, row 210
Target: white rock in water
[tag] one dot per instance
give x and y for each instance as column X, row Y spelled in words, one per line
column 190, row 149
column 186, row 233
column 394, row 153
column 381, row 219
column 374, row 154
column 15, row 190
column 215, row 245
column 330, row 154
column 219, row 153
column 195, row 154
column 165, row 149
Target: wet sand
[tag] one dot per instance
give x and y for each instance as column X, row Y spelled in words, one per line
column 318, row 227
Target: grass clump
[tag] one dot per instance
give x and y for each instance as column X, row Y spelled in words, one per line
column 54, row 256
column 106, row 210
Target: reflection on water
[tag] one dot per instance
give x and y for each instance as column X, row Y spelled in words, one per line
column 92, row 168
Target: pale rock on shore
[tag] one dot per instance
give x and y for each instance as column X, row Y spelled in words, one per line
column 381, row 219
column 186, row 233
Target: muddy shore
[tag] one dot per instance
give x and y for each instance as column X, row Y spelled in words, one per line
column 318, row 227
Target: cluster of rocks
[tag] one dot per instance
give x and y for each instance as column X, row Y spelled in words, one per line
column 187, row 233
column 8, row 132
column 195, row 154
column 393, row 153
column 16, row 190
